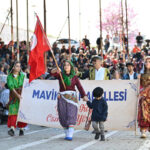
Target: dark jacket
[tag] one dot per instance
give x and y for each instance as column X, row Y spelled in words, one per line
column 127, row 77
column 100, row 109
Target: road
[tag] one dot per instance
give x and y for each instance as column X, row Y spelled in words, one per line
column 42, row 138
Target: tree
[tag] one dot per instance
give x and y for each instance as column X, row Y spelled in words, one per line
column 112, row 20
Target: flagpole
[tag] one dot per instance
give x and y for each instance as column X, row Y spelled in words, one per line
column 127, row 26
column 69, row 28
column 17, row 34
column 12, row 32
column 45, row 55
column 100, row 14
column 51, row 51
column 27, row 32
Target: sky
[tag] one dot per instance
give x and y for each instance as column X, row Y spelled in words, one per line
column 86, row 24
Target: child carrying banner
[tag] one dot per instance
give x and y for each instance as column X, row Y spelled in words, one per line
column 67, row 99
column 99, row 114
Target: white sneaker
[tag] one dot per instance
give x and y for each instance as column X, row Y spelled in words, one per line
column 143, row 135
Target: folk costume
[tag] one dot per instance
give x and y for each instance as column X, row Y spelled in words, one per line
column 14, row 82
column 144, row 104
column 68, row 102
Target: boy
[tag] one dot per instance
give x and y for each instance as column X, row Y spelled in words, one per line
column 99, row 114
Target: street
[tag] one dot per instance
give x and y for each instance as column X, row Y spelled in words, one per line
column 42, row 138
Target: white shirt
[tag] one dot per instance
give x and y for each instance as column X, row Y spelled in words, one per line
column 131, row 76
column 99, row 74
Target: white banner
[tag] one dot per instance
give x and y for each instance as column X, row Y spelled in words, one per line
column 39, row 103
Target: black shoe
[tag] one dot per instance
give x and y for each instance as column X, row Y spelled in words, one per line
column 93, row 132
column 102, row 138
column 21, row 133
column 97, row 136
column 11, row 132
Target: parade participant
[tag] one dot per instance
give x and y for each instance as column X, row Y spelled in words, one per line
column 99, row 113
column 67, row 98
column 97, row 72
column 144, row 103
column 15, row 82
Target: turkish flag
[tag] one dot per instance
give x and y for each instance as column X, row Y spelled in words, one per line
column 39, row 46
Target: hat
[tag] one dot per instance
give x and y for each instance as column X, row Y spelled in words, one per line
column 98, row 92
column 129, row 64
column 94, row 58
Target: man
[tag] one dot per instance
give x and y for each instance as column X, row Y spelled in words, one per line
column 98, row 42
column 116, row 41
column 131, row 75
column 107, row 43
column 93, row 51
column 139, row 40
column 97, row 72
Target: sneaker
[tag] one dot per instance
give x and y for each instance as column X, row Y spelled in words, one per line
column 97, row 136
column 102, row 138
column 11, row 132
column 21, row 133
column 143, row 135
column 68, row 138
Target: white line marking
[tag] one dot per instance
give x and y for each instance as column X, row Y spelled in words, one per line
column 145, row 146
column 94, row 141
column 20, row 147
column 26, row 134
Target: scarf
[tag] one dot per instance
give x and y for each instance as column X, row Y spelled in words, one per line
column 67, row 78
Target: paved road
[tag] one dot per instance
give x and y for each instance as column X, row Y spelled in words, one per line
column 41, row 138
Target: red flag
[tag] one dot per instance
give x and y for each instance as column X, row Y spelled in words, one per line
column 38, row 48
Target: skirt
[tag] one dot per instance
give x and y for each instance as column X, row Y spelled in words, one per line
column 67, row 108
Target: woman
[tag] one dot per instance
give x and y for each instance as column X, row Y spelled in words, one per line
column 144, row 103
column 15, row 82
column 67, row 98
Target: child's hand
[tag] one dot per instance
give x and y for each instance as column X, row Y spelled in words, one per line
column 85, row 98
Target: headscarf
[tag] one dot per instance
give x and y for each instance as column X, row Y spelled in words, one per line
column 67, row 78
column 12, row 66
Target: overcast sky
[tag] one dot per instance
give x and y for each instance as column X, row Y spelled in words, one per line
column 57, row 15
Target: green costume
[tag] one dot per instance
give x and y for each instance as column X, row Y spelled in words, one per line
column 14, row 83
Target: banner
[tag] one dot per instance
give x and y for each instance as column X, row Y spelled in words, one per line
column 39, row 103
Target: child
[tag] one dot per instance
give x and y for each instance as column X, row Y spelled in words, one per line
column 99, row 114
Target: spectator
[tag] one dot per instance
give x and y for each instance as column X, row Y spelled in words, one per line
column 139, row 40
column 107, row 43
column 86, row 41
column 131, row 75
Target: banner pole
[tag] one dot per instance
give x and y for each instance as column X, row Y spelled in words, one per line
column 138, row 98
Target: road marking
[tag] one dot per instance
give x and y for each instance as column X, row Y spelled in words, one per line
column 26, row 134
column 145, row 146
column 94, row 141
column 20, row 147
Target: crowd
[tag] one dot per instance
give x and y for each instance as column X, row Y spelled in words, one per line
column 119, row 62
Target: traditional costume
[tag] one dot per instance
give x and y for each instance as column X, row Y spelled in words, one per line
column 68, row 102
column 14, row 82
column 144, row 104
column 94, row 74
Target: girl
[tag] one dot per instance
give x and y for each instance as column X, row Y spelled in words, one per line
column 67, row 99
